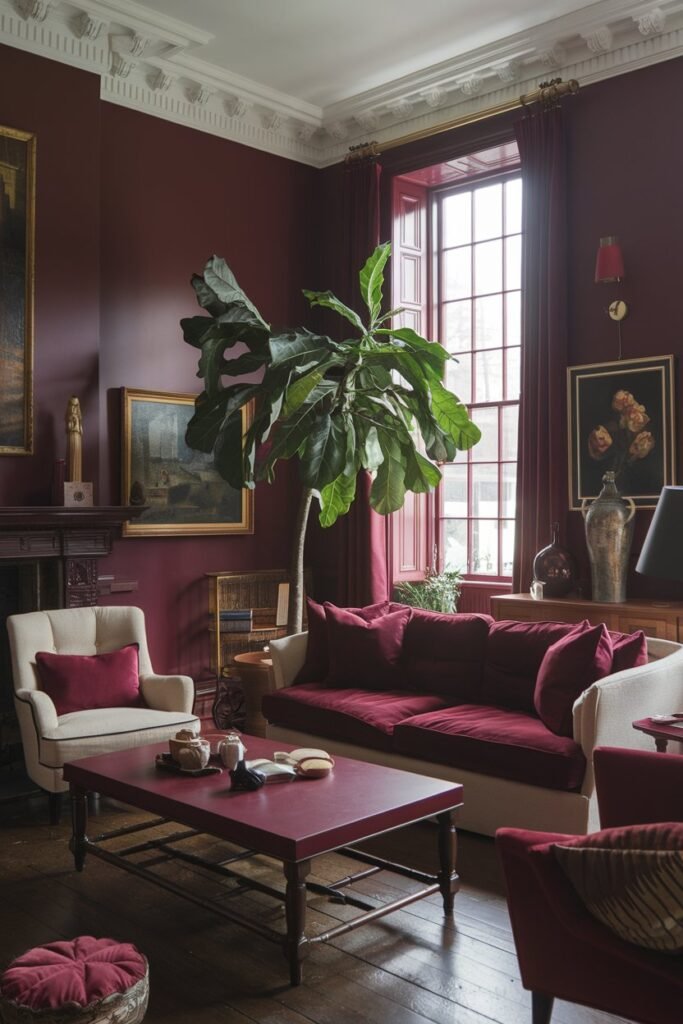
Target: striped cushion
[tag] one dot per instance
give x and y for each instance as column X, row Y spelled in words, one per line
column 631, row 879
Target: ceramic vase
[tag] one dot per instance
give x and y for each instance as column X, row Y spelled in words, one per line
column 609, row 532
column 555, row 567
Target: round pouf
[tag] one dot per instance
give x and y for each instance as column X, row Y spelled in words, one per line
column 86, row 980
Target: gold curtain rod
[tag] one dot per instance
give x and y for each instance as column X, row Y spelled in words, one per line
column 548, row 94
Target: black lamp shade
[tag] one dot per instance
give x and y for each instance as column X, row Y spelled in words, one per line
column 662, row 553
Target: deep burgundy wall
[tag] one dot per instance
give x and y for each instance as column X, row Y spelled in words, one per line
column 625, row 172
column 62, row 106
column 128, row 206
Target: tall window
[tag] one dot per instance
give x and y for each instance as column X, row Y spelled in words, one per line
column 478, row 281
column 457, row 274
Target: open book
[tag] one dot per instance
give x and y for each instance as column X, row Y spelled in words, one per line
column 272, row 771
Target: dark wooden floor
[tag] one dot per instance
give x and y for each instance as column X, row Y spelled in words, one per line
column 410, row 968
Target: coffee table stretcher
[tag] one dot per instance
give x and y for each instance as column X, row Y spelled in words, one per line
column 296, row 943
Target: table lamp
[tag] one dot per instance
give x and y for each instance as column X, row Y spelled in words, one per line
column 662, row 553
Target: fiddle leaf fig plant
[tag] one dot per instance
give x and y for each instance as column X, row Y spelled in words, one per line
column 336, row 407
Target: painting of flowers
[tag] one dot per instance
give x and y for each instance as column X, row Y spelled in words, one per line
column 621, row 418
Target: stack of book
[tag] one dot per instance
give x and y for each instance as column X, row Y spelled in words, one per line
column 237, row 620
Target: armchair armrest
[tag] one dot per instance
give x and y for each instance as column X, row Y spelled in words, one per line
column 636, row 787
column 289, row 655
column 168, row 693
column 40, row 707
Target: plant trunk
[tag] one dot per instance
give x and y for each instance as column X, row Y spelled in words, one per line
column 295, row 615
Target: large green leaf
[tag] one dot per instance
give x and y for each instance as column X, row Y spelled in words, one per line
column 330, row 301
column 300, row 350
column 247, row 362
column 388, row 490
column 336, row 499
column 206, row 297
column 220, row 279
column 227, row 452
column 452, row 415
column 293, row 432
column 197, row 328
column 324, row 456
column 431, row 355
column 210, row 411
column 422, row 475
column 372, row 278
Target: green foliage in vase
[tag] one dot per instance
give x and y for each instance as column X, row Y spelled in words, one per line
column 437, row 592
column 337, row 407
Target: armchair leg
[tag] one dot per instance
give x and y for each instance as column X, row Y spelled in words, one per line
column 55, row 805
column 541, row 1008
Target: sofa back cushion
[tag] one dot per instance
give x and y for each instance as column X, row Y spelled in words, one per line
column 316, row 665
column 514, row 653
column 367, row 655
column 445, row 654
column 569, row 667
column 628, row 650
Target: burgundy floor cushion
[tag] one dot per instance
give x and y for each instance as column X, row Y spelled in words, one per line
column 84, row 979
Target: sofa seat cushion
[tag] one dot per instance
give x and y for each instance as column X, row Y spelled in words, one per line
column 493, row 741
column 445, row 653
column 87, row 733
column 364, row 717
column 514, row 653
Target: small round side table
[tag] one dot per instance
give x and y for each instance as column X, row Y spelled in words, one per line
column 254, row 669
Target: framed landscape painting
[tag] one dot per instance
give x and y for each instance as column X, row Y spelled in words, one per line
column 621, row 418
column 182, row 492
column 17, row 206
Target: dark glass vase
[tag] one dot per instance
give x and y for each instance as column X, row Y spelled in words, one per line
column 555, row 567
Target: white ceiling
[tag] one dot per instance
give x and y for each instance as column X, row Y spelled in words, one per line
column 325, row 51
column 307, row 79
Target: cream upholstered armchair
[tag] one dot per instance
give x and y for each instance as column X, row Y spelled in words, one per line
column 50, row 739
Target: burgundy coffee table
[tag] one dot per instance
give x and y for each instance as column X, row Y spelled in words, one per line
column 292, row 822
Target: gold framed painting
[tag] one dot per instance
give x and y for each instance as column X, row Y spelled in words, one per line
column 183, row 494
column 17, row 229
column 621, row 418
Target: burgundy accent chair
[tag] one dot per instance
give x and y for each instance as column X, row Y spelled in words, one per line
column 563, row 951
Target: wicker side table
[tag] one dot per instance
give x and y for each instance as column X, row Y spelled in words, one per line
column 254, row 669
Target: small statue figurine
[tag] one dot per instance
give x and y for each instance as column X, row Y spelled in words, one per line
column 74, row 434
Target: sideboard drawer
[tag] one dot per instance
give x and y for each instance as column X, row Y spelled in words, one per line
column 651, row 625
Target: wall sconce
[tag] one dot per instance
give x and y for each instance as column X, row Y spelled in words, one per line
column 609, row 267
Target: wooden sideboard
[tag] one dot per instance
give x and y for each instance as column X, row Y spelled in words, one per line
column 662, row 619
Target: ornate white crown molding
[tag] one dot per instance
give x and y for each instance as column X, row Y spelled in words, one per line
column 148, row 61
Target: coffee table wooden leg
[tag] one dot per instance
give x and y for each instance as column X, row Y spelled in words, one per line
column 448, row 876
column 79, row 820
column 295, row 910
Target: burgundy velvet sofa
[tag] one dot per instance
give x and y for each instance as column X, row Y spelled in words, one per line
column 456, row 699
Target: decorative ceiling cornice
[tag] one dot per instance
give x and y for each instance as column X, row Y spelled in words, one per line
column 149, row 62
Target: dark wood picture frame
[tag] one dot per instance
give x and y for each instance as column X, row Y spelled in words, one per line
column 183, row 492
column 17, row 255
column 621, row 417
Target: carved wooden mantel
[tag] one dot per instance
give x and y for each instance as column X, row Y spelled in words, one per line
column 75, row 537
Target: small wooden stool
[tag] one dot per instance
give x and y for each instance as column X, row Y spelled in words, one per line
column 97, row 981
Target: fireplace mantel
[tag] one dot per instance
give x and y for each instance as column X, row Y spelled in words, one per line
column 73, row 537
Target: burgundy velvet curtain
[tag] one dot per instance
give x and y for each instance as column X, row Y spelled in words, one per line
column 362, row 534
column 542, row 465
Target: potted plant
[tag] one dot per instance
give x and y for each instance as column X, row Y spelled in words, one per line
column 437, row 592
column 337, row 407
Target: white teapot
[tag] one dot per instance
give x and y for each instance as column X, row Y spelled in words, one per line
column 231, row 750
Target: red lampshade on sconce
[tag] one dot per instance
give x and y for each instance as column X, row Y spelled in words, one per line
column 609, row 265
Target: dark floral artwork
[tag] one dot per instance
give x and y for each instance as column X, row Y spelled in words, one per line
column 621, row 419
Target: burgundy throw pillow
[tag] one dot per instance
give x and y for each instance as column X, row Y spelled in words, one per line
column 365, row 654
column 569, row 667
column 315, row 667
column 629, row 651
column 81, row 682
column 631, row 879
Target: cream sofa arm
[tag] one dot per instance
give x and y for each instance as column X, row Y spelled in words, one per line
column 605, row 712
column 168, row 693
column 36, row 711
column 289, row 655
